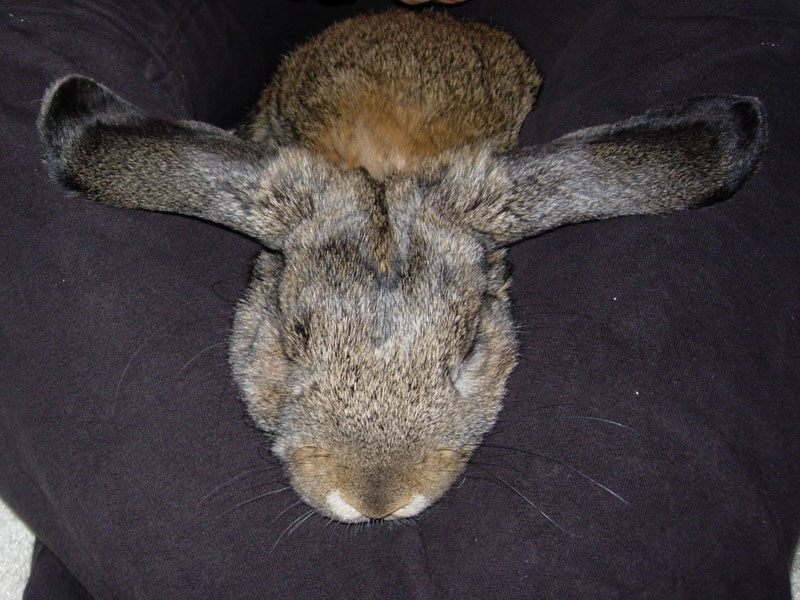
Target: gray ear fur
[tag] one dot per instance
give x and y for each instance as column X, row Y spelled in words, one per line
column 101, row 146
column 680, row 155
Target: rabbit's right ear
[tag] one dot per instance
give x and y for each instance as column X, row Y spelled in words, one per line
column 680, row 155
column 99, row 145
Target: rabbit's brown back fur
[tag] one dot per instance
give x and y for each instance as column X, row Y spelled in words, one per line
column 385, row 91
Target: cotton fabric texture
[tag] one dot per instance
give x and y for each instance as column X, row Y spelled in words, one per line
column 658, row 354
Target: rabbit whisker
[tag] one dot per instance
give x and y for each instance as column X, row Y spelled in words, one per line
column 496, row 466
column 474, row 477
column 269, row 457
column 128, row 366
column 503, row 426
column 330, row 520
column 580, row 417
column 563, row 464
column 527, row 500
column 259, row 497
column 404, row 522
column 564, row 405
column 259, row 485
column 198, row 355
column 225, row 315
column 233, row 479
column 292, row 527
column 280, row 514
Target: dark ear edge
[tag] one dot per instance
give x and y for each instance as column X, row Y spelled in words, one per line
column 746, row 133
column 69, row 105
column 101, row 146
column 737, row 124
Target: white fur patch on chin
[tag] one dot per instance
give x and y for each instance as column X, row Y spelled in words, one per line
column 346, row 513
column 342, row 510
column 417, row 505
column 279, row 448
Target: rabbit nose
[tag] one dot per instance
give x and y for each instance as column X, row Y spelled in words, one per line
column 345, row 511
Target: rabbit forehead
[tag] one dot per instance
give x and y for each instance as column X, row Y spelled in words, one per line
column 390, row 262
column 386, row 292
column 363, row 318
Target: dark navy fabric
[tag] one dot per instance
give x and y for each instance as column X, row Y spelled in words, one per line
column 649, row 446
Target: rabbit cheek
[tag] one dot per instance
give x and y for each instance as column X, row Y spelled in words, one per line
column 315, row 476
column 328, row 487
column 257, row 356
column 439, row 470
column 260, row 369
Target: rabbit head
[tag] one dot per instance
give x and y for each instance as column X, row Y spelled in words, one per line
column 375, row 338
column 376, row 347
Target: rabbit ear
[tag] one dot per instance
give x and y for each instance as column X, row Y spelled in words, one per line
column 680, row 155
column 101, row 146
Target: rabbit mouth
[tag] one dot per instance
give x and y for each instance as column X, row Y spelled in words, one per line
column 343, row 511
column 353, row 490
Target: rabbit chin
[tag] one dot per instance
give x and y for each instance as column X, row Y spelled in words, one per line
column 355, row 489
column 341, row 510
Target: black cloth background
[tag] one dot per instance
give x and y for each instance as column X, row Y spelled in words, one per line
column 659, row 355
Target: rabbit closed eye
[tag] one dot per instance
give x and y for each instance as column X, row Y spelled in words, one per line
column 375, row 338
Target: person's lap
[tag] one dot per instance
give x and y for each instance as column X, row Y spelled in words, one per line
column 652, row 416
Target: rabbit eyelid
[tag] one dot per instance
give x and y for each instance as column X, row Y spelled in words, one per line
column 467, row 359
column 295, row 337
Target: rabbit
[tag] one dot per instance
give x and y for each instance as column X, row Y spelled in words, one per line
column 375, row 338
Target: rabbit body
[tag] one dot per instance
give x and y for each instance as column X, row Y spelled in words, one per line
column 387, row 90
column 384, row 92
column 375, row 339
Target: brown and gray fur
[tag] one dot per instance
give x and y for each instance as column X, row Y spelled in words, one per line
column 384, row 92
column 375, row 339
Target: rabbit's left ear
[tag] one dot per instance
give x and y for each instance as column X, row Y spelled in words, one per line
column 103, row 147
column 680, row 155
